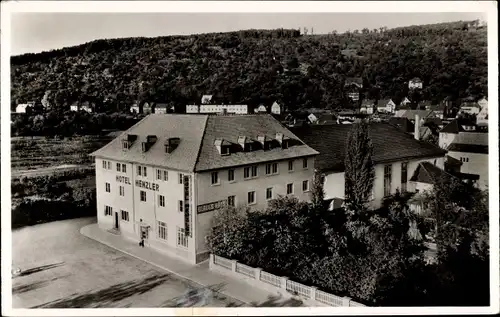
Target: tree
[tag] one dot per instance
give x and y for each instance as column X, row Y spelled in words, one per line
column 318, row 192
column 359, row 169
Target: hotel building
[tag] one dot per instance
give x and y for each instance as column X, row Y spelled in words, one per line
column 161, row 180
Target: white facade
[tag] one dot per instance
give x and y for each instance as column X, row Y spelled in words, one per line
column 21, row 108
column 156, row 202
column 73, row 108
column 390, row 107
column 474, row 109
column 445, row 139
column 473, row 163
column 134, row 109
column 235, row 109
column 334, row 184
column 276, row 108
column 413, row 84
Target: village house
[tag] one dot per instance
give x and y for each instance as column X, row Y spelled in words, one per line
column 405, row 101
column 162, row 180
column 25, row 107
column 84, row 106
column 465, row 129
column 367, row 106
column 482, row 116
column 396, row 156
column 412, row 114
column 219, row 109
column 415, row 83
column 386, row 106
column 260, row 109
column 352, row 87
column 160, row 108
column 276, row 108
column 147, row 108
column 134, row 109
column 469, row 106
column 206, row 99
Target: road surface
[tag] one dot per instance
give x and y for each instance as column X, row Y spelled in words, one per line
column 60, row 268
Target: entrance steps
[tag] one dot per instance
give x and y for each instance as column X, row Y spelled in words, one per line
column 114, row 231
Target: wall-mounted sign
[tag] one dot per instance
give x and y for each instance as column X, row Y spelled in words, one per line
column 211, row 206
column 187, row 210
column 147, row 185
column 123, row 179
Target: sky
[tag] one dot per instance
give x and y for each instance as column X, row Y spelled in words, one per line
column 37, row 32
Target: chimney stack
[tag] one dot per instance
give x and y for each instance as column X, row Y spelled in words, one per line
column 416, row 133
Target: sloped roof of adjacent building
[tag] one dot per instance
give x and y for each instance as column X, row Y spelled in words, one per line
column 389, row 144
column 403, row 124
column 411, row 114
column 428, row 173
column 196, row 150
column 468, row 148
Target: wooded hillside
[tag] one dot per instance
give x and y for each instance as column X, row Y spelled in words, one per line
column 258, row 66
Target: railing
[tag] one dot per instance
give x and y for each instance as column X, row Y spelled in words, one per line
column 245, row 270
column 225, row 263
column 280, row 283
column 270, row 279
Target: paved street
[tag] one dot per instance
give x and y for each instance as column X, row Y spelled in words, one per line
column 62, row 268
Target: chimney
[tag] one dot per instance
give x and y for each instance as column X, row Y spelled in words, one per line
column 416, row 133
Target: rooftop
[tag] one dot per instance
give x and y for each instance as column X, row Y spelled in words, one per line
column 196, row 150
column 389, row 144
column 468, row 148
column 428, row 173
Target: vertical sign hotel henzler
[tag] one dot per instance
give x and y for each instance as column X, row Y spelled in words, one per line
column 187, row 212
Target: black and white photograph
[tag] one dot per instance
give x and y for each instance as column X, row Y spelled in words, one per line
column 194, row 158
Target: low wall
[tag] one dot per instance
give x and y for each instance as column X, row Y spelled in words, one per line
column 279, row 284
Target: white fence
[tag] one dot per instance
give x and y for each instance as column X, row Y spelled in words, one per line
column 279, row 283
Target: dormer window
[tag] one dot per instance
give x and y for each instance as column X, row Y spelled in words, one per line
column 225, row 150
column 223, row 146
column 171, row 144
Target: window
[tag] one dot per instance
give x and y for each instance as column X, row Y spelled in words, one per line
column 139, row 170
column 125, row 215
column 251, row 198
column 230, row 175
column 165, row 175
column 108, row 188
column 104, row 165
column 387, row 179
column 180, row 178
column 108, row 211
column 268, row 169
column 109, row 165
column 143, row 195
column 144, row 171
column 246, row 172
column 404, row 176
column 181, row 206
column 158, row 174
column 290, row 165
column 122, row 191
column 182, row 240
column 269, row 193
column 305, row 186
column 304, row 163
column 254, row 171
column 124, row 168
column 162, row 230
column 118, row 167
column 215, row 178
column 161, row 200
column 289, row 189
column 231, row 201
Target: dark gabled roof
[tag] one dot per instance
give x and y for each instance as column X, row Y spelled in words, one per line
column 436, row 121
column 389, row 144
column 454, row 127
column 428, row 173
column 403, row 124
column 450, row 160
column 197, row 133
column 468, row 148
column 251, row 126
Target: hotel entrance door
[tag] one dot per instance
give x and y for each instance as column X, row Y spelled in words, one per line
column 116, row 221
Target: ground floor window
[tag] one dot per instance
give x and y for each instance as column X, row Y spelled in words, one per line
column 231, row 201
column 162, row 230
column 182, row 239
column 108, row 211
column 125, row 215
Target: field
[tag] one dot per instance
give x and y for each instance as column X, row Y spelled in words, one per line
column 38, row 153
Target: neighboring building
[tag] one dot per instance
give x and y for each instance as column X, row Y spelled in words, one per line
column 24, row 107
column 163, row 178
column 474, row 158
column 276, row 108
column 353, row 86
column 415, row 83
column 386, row 106
column 261, row 109
column 461, row 131
column 206, row 99
column 73, row 107
column 367, row 106
column 230, row 109
column 482, row 116
column 85, row 106
column 412, row 114
column 327, row 118
column 402, row 124
column 396, row 156
column 160, row 108
column 134, row 108
column 312, row 118
column 146, row 108
column 405, row 101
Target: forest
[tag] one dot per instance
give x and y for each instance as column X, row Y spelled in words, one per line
column 257, row 66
